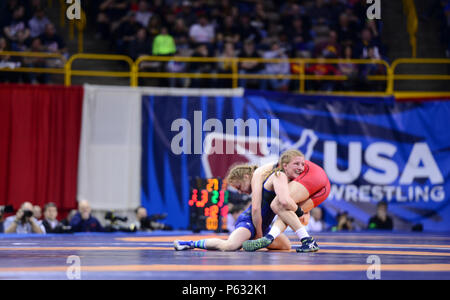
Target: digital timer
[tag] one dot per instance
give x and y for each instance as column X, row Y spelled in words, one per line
column 208, row 204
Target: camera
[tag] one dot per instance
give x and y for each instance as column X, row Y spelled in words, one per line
column 114, row 218
column 6, row 210
column 115, row 223
column 26, row 215
column 151, row 222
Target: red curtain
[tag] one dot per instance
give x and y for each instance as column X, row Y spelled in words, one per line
column 39, row 141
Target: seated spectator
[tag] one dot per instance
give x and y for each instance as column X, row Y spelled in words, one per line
column 202, row 32
column 177, row 67
column 322, row 69
column 280, row 68
column 70, row 215
column 316, row 224
column 249, row 67
column 53, row 42
column 141, row 45
column 141, row 215
column 319, row 13
column 36, row 62
column 381, row 220
column 344, row 222
column 7, row 62
column 17, row 30
column 23, row 221
column 51, row 224
column 346, row 30
column 37, row 23
column 83, row 221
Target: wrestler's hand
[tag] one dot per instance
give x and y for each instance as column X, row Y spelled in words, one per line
column 305, row 219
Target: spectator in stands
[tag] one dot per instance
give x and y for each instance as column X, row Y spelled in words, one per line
column 381, row 220
column 126, row 32
column 346, row 30
column 226, row 67
column 330, row 48
column 349, row 69
column 316, row 223
column 228, row 32
column 371, row 69
column 280, row 68
column 141, row 45
column 177, row 67
column 201, row 67
column 320, row 13
column 36, row 62
column 143, row 14
column 367, row 41
column 17, row 30
column 23, row 221
column 202, row 32
column 52, row 41
column 180, row 34
column 344, row 222
column 50, row 222
column 299, row 36
column 7, row 62
column 164, row 44
column 37, row 23
column 83, row 221
column 322, row 69
column 249, row 67
column 248, row 31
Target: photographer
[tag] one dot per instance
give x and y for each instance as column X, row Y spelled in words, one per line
column 23, row 221
column 149, row 223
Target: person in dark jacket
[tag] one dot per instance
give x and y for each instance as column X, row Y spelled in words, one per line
column 381, row 220
column 83, row 221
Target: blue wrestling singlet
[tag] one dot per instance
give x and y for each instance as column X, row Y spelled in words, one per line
column 245, row 219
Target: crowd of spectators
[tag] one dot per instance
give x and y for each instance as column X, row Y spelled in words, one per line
column 253, row 29
column 25, row 27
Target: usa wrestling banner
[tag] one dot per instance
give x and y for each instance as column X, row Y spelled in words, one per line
column 372, row 149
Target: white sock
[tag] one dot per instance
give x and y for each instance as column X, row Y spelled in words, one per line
column 275, row 232
column 302, row 233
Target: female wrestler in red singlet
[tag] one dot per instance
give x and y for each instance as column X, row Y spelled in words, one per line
column 308, row 190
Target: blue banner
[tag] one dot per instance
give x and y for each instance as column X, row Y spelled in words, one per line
column 372, row 150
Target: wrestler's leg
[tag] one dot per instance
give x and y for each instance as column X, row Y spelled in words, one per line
column 233, row 243
column 282, row 242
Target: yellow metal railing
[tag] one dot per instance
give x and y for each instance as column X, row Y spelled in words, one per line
column 410, row 11
column 135, row 69
column 69, row 72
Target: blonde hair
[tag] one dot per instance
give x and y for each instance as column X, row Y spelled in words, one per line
column 285, row 158
column 237, row 172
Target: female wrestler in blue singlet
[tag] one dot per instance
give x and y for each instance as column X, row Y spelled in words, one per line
column 264, row 184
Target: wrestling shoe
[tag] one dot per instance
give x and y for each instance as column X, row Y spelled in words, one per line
column 183, row 245
column 308, row 245
column 254, row 245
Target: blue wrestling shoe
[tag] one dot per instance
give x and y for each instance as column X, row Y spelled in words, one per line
column 254, row 245
column 308, row 245
column 183, row 245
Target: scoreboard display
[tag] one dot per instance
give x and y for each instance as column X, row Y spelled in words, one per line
column 208, row 205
